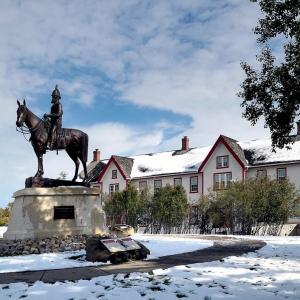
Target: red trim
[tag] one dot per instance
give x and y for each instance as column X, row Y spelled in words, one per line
column 220, row 140
column 192, row 192
column 217, row 161
column 218, row 174
column 177, row 178
column 112, row 159
column 277, row 173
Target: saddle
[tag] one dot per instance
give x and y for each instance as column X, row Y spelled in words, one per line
column 59, row 139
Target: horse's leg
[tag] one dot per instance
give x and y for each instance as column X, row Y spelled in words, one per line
column 73, row 154
column 39, row 155
column 83, row 161
column 83, row 153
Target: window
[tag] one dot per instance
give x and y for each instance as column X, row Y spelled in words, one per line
column 157, row 185
column 113, row 188
column 281, row 174
column 113, row 174
column 194, row 184
column 142, row 185
column 222, row 161
column 222, row 180
column 261, row 173
column 177, row 182
column 64, row 212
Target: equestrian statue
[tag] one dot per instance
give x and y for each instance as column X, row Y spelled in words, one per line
column 48, row 134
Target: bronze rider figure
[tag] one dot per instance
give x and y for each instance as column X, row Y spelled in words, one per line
column 56, row 118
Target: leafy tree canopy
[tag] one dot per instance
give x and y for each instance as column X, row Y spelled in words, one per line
column 273, row 92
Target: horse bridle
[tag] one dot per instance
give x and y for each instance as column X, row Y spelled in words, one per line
column 26, row 130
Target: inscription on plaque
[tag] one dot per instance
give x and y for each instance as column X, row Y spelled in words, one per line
column 64, row 212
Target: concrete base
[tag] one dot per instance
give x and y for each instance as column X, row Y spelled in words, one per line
column 33, row 213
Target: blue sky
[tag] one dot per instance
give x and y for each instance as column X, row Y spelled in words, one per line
column 135, row 75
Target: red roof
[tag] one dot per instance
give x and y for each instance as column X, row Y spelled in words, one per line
column 222, row 140
column 112, row 159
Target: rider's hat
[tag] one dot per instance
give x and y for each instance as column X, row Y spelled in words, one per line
column 56, row 92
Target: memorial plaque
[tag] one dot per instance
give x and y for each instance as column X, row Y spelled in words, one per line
column 64, row 212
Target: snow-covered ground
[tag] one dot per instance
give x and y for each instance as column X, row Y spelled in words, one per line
column 158, row 246
column 272, row 272
column 2, row 230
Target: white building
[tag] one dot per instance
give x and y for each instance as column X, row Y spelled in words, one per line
column 198, row 170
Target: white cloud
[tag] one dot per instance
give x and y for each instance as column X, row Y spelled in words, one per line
column 181, row 56
column 194, row 69
column 116, row 138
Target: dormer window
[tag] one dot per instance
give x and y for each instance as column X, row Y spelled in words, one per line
column 222, row 161
column 114, row 174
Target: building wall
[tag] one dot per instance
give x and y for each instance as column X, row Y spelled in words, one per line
column 208, row 172
column 107, row 179
column 293, row 174
column 210, row 168
column 192, row 197
column 292, row 171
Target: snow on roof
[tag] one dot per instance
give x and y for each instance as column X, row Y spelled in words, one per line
column 256, row 152
column 260, row 151
column 166, row 162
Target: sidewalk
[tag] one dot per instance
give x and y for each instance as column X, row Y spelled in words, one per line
column 219, row 251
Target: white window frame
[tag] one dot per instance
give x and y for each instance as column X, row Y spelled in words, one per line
column 194, row 185
column 279, row 177
column 222, row 161
column 143, row 184
column 114, row 174
column 113, row 188
column 262, row 173
column 157, row 188
column 222, row 180
column 179, row 181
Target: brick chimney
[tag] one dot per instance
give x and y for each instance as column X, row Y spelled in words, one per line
column 298, row 127
column 185, row 143
column 96, row 155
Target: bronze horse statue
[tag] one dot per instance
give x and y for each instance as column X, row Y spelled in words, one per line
column 74, row 141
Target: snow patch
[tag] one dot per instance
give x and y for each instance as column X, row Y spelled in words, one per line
column 2, row 230
column 272, row 272
column 158, row 246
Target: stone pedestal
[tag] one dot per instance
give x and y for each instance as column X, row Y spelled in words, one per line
column 59, row 211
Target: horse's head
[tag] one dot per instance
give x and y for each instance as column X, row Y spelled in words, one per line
column 21, row 113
